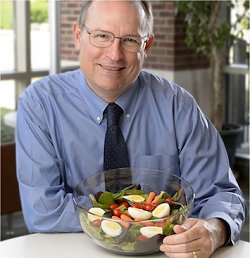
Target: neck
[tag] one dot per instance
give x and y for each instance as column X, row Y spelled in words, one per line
column 109, row 96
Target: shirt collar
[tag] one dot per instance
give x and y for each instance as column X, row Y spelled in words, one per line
column 128, row 99
column 97, row 105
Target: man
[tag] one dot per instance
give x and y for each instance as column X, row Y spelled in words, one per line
column 61, row 128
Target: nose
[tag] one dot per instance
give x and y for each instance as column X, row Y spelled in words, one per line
column 115, row 50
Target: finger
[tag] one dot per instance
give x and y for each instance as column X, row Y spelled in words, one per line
column 182, row 248
column 179, row 229
column 184, row 237
column 197, row 238
column 189, row 223
column 185, row 255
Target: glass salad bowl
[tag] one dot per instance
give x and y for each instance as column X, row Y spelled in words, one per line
column 130, row 210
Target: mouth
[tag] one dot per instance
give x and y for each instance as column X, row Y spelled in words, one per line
column 112, row 68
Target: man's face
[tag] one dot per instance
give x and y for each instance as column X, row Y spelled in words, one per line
column 109, row 71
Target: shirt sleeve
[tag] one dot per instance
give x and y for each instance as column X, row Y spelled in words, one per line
column 204, row 164
column 47, row 207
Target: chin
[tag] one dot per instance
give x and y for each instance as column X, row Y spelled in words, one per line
column 112, row 85
column 115, row 90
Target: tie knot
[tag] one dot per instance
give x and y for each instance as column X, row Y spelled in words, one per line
column 113, row 114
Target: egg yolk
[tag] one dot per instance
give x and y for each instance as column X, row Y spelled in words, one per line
column 112, row 225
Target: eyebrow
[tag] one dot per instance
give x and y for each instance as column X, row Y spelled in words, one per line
column 132, row 35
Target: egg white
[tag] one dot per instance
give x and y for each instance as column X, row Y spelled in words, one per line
column 134, row 198
column 96, row 211
column 111, row 228
column 161, row 210
column 136, row 213
column 151, row 231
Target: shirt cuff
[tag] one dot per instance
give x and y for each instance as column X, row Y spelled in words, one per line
column 232, row 230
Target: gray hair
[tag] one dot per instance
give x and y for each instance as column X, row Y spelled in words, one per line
column 147, row 24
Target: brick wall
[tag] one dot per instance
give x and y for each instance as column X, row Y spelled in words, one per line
column 68, row 14
column 168, row 52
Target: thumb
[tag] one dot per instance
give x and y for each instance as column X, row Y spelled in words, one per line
column 179, row 229
column 185, row 226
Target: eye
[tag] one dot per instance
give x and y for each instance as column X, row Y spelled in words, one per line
column 101, row 36
column 132, row 41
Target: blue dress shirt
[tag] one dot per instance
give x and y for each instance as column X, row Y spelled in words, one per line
column 60, row 141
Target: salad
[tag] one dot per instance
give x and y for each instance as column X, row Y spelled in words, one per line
column 132, row 220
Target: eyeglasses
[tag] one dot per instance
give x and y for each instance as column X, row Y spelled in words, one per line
column 102, row 39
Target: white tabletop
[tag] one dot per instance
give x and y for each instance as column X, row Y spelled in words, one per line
column 10, row 119
column 79, row 245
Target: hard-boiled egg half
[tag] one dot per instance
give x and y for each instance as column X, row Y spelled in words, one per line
column 151, row 231
column 136, row 213
column 96, row 211
column 134, row 198
column 111, row 228
column 161, row 210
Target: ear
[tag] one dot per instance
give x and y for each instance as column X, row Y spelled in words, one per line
column 77, row 35
column 149, row 44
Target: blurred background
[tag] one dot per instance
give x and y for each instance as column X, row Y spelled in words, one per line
column 36, row 40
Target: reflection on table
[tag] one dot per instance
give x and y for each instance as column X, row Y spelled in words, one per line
column 79, row 245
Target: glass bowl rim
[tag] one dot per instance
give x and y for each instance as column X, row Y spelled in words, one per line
column 85, row 209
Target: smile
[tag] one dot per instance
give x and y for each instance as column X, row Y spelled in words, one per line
column 112, row 68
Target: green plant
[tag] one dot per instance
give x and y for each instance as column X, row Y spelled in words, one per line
column 6, row 14
column 39, row 11
column 207, row 32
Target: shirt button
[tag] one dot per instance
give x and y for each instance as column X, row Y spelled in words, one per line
column 98, row 119
column 128, row 116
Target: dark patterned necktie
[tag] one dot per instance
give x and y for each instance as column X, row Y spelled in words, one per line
column 115, row 148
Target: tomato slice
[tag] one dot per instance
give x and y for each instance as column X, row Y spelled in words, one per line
column 142, row 238
column 96, row 223
column 137, row 205
column 149, row 207
column 113, row 206
column 125, row 204
column 117, row 212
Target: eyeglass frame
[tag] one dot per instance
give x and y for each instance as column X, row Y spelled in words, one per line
column 143, row 43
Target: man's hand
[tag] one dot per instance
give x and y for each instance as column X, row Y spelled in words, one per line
column 195, row 235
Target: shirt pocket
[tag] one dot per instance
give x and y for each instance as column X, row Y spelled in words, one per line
column 169, row 163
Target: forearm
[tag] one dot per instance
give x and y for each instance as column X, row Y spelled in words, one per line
column 48, row 213
column 219, row 232
column 40, row 173
column 229, row 208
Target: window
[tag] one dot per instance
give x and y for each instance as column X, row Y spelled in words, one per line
column 39, row 35
column 26, row 53
column 7, row 36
